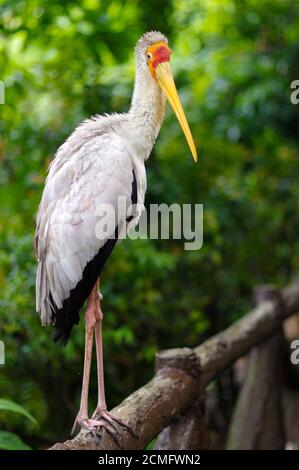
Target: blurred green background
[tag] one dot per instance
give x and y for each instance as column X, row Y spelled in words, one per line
column 234, row 61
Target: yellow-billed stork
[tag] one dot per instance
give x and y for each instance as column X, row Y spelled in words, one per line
column 104, row 158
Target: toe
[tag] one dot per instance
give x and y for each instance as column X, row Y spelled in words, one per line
column 110, row 417
column 97, row 425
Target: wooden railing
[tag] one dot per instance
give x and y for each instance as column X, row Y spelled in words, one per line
column 171, row 406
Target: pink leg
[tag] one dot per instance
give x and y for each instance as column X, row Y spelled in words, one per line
column 89, row 326
column 93, row 323
column 100, row 366
column 101, row 409
column 90, row 322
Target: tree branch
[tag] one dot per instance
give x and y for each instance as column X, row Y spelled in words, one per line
column 151, row 408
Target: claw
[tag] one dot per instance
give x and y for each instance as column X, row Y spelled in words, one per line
column 95, row 425
column 75, row 426
column 95, row 436
column 110, row 429
column 111, row 417
column 104, row 414
column 110, row 421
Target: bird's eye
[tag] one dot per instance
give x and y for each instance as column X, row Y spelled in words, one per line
column 149, row 56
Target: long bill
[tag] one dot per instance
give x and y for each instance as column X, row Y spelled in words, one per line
column 166, row 82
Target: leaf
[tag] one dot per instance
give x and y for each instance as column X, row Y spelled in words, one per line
column 10, row 441
column 8, row 405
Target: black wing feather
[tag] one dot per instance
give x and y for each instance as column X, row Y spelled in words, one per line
column 68, row 314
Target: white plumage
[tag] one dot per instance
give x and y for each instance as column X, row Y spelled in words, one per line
column 94, row 166
column 103, row 160
column 66, row 238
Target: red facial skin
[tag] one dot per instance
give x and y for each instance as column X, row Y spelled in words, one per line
column 161, row 54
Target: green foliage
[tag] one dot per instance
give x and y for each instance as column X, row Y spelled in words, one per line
column 234, row 61
column 8, row 405
column 9, row 440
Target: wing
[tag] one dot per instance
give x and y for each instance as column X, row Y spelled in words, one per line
column 70, row 253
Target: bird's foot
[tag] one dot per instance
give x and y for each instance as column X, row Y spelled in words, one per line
column 104, row 414
column 94, row 426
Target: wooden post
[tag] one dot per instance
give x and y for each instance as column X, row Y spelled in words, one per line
column 189, row 431
column 257, row 421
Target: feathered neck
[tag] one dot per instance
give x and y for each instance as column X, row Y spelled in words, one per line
column 147, row 107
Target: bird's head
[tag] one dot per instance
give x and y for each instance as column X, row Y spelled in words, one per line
column 153, row 54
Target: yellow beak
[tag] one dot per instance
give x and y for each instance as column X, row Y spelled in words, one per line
column 166, row 82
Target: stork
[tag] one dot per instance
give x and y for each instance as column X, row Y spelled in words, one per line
column 103, row 159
